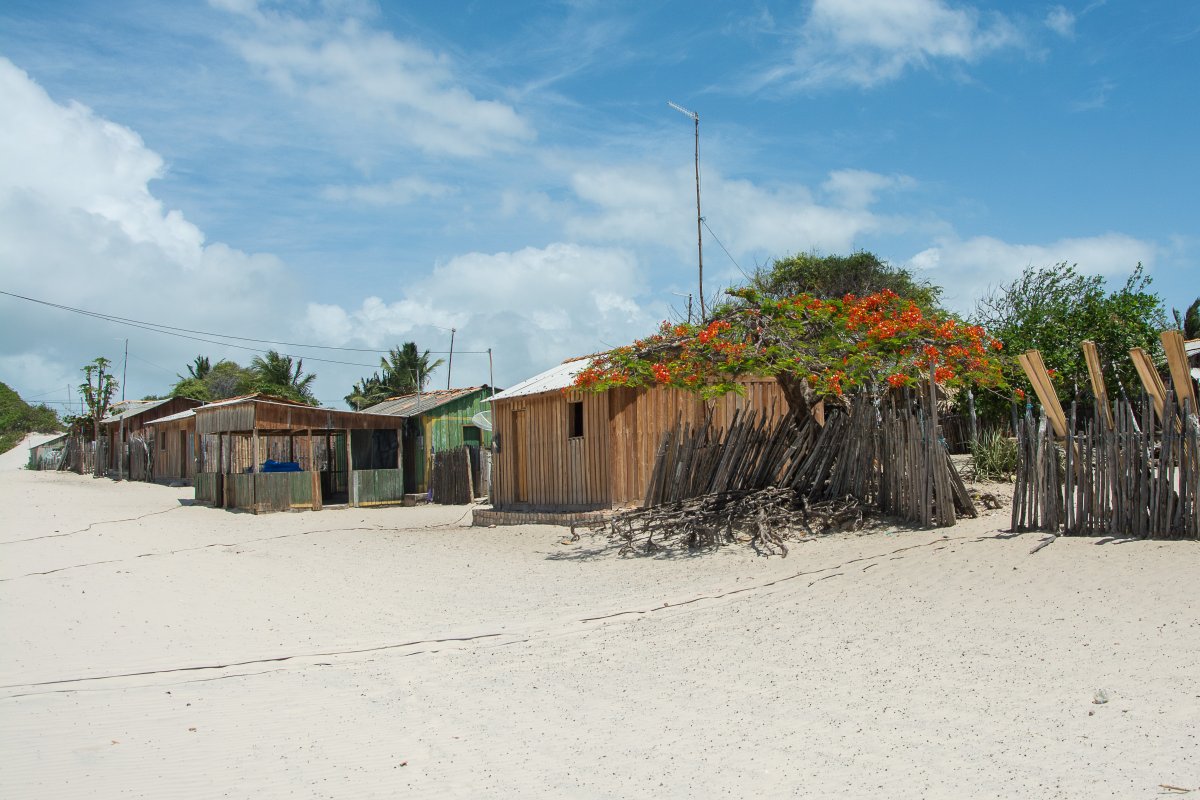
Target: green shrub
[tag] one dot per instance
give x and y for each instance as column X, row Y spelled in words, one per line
column 994, row 456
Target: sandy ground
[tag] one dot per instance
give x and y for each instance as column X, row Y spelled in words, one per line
column 149, row 648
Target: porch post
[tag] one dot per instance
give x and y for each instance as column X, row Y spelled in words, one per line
column 316, row 475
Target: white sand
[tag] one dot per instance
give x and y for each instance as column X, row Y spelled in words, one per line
column 18, row 457
column 175, row 651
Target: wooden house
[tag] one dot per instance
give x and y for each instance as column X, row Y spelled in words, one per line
column 436, row 421
column 48, row 455
column 264, row 453
column 125, row 435
column 173, row 447
column 560, row 451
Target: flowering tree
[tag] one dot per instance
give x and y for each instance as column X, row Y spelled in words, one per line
column 816, row 349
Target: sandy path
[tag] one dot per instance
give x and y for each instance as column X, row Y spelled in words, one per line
column 198, row 653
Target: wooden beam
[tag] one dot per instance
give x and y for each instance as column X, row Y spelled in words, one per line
column 350, row 498
column 1035, row 370
column 1177, row 363
column 1096, row 375
column 1150, row 380
column 315, row 473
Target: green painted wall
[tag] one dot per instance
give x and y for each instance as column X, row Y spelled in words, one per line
column 443, row 427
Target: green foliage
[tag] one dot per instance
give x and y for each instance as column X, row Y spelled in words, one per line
column 1055, row 308
column 228, row 379
column 278, row 375
column 994, row 456
column 97, row 391
column 816, row 349
column 1189, row 321
column 831, row 277
column 199, row 368
column 208, row 382
column 194, row 388
column 403, row 369
column 18, row 418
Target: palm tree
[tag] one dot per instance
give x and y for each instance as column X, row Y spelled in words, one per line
column 367, row 392
column 276, row 374
column 406, row 369
column 199, row 368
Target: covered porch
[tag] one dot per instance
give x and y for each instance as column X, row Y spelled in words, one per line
column 262, row 453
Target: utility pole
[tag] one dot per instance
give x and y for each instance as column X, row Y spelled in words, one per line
column 125, row 369
column 450, row 363
column 699, row 219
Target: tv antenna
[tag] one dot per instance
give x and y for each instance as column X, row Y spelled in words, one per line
column 699, row 219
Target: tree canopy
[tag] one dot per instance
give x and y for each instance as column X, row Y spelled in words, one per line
column 279, row 375
column 403, row 369
column 18, row 418
column 861, row 273
column 817, row 349
column 1053, row 309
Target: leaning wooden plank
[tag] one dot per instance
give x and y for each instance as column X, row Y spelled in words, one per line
column 1150, row 380
column 1092, row 356
column 1177, row 363
column 1035, row 370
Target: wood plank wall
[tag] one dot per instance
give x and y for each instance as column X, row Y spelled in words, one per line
column 611, row 463
column 560, row 471
column 639, row 418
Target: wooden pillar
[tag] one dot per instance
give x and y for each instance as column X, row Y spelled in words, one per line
column 316, row 475
column 254, row 470
column 351, row 500
column 223, row 469
column 197, row 454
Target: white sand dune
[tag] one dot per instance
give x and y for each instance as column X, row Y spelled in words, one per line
column 18, row 457
column 156, row 649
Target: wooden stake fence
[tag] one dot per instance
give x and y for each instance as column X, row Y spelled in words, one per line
column 887, row 456
column 1133, row 480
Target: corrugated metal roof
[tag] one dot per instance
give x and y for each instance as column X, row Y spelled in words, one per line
column 412, row 405
column 191, row 412
column 267, row 398
column 131, row 408
column 554, row 379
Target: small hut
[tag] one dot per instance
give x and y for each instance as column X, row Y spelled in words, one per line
column 263, row 453
column 48, row 455
column 561, row 453
column 437, row 421
column 173, row 447
column 126, row 439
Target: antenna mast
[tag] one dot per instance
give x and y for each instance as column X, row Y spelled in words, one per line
column 699, row 219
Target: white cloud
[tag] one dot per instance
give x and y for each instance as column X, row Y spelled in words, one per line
column 1061, row 21
column 390, row 87
column 646, row 205
column 80, row 226
column 868, row 42
column 534, row 307
column 969, row 268
column 857, row 188
column 399, row 192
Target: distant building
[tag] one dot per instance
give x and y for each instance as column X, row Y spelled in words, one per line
column 561, row 452
column 436, row 421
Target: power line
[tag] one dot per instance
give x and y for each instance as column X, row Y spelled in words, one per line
column 184, row 333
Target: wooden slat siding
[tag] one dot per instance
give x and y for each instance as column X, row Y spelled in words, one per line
column 379, row 487
column 613, row 461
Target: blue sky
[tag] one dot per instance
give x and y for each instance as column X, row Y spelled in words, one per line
column 356, row 174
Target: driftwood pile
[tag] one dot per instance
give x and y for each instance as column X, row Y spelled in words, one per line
column 762, row 481
column 1138, row 478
